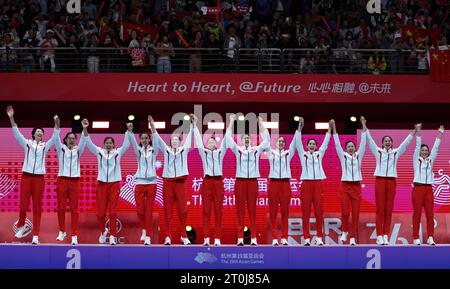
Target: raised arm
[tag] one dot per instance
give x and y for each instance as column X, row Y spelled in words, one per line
column 55, row 136
column 402, row 147
column 265, row 144
column 56, row 133
column 126, row 140
column 337, row 142
column 156, row 139
column 233, row 145
column 91, row 146
column 299, row 143
column 197, row 136
column 325, row 142
column 133, row 142
column 418, row 142
column 17, row 134
column 362, row 144
column 437, row 142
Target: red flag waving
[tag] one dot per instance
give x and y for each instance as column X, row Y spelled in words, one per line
column 410, row 31
column 141, row 29
column 440, row 65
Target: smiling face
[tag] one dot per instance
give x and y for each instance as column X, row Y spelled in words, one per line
column 38, row 134
column 245, row 140
column 281, row 143
column 109, row 143
column 175, row 142
column 424, row 151
column 387, row 142
column 144, row 139
column 70, row 139
column 212, row 144
column 312, row 145
column 350, row 147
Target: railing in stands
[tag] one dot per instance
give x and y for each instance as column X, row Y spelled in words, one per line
column 214, row 60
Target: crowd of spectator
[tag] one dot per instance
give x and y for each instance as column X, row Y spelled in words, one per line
column 325, row 36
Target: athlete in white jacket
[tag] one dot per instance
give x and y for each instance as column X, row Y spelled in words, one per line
column 279, row 191
column 175, row 173
column 212, row 187
column 350, row 190
column 108, row 180
column 422, row 193
column 385, row 181
column 145, row 191
column 312, row 183
column 68, row 182
column 247, row 174
column 33, row 171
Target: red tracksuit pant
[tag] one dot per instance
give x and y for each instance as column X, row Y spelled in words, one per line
column 422, row 197
column 350, row 200
column 31, row 186
column 107, row 199
column 145, row 199
column 212, row 197
column 279, row 194
column 246, row 193
column 385, row 189
column 174, row 194
column 312, row 194
column 68, row 189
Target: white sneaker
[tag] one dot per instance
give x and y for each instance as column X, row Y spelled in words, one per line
column 254, row 242
column 144, row 234
column 417, row 242
column 35, row 240
column 74, row 240
column 112, row 240
column 380, row 240
column 430, row 241
column 147, row 241
column 343, row 237
column 385, row 240
column 319, row 241
column 284, row 242
column 275, row 242
column 352, row 242
column 102, row 238
column 307, row 242
column 240, row 242
column 20, row 232
column 217, row 242
column 206, row 241
column 185, row 241
column 167, row 241
column 61, row 236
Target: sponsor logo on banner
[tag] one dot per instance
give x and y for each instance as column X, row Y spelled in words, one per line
column 6, row 185
column 441, row 189
column 205, row 257
column 28, row 227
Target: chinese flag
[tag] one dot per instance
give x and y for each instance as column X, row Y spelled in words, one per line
column 141, row 29
column 410, row 31
column 440, row 65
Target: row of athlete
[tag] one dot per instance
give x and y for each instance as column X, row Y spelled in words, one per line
column 175, row 172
